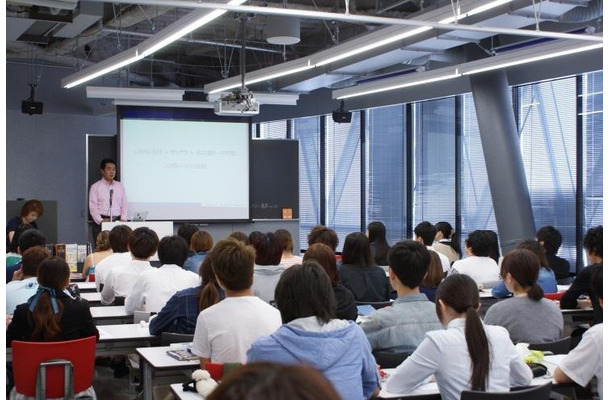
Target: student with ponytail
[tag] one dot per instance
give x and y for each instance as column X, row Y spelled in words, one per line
column 179, row 315
column 467, row 355
column 51, row 314
column 528, row 316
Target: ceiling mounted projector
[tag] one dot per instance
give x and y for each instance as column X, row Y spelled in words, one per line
column 236, row 104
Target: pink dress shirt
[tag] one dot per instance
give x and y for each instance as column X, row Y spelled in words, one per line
column 99, row 200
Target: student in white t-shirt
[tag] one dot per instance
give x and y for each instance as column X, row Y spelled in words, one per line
column 586, row 360
column 478, row 265
column 226, row 330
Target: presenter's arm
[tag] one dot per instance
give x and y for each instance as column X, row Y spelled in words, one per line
column 93, row 201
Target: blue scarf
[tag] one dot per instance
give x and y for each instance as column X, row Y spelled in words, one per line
column 34, row 299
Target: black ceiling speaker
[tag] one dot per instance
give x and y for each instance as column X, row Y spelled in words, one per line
column 31, row 106
column 340, row 115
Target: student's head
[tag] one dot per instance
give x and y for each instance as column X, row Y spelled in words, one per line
column 376, row 230
column 31, row 238
column 444, row 230
column 357, row 250
column 119, row 238
column 14, row 246
column 594, row 241
column 208, row 294
column 173, row 250
column 108, row 168
column 240, row 237
column 409, row 261
column 31, row 211
column 54, row 276
column 494, row 247
column 201, row 241
column 425, row 232
column 233, row 264
column 535, row 247
column 550, row 238
column 520, row 268
column 323, row 234
column 458, row 296
column 304, row 290
column 143, row 243
column 478, row 243
column 285, row 239
column 325, row 256
column 102, row 241
column 186, row 231
column 435, row 271
column 31, row 260
column 268, row 249
column 274, row 381
column 597, row 284
column 254, row 237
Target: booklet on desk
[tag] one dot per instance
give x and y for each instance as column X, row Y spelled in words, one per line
column 182, row 354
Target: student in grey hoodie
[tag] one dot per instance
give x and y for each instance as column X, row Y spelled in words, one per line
column 267, row 268
column 311, row 335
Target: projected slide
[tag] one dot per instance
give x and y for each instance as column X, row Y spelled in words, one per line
column 186, row 170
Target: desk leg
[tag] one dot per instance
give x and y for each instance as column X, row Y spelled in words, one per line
column 148, row 382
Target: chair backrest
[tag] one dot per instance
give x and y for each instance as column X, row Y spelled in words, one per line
column 375, row 304
column 390, row 359
column 27, row 356
column 561, row 346
column 168, row 338
column 541, row 392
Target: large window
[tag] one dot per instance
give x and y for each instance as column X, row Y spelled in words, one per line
column 386, row 170
column 592, row 121
column 307, row 131
column 434, row 159
column 547, row 128
column 343, row 177
column 271, row 130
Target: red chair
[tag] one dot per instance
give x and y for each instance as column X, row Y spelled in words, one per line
column 554, row 296
column 29, row 356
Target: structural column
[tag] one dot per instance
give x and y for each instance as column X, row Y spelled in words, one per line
column 505, row 171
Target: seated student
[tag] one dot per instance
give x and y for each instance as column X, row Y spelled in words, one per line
column 403, row 326
column 226, row 330
column 28, row 239
column 325, row 235
column 102, row 250
column 550, row 239
column 240, row 237
column 310, row 335
column 425, row 233
column 186, row 231
column 52, row 314
column 30, row 212
column 201, row 243
column 546, row 276
column 155, row 286
column 467, row 355
column 120, row 280
column 285, row 239
column 494, row 246
column 19, row 291
column 594, row 247
column 586, row 360
column 379, row 244
column 366, row 281
column 447, row 241
column 179, row 314
column 266, row 381
column 13, row 256
column 478, row 265
column 267, row 268
column 325, row 256
column 527, row 316
column 119, row 243
column 433, row 278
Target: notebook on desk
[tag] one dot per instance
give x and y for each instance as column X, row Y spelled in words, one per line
column 139, row 216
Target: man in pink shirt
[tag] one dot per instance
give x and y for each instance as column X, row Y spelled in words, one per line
column 107, row 199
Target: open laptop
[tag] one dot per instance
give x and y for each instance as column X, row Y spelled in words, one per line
column 139, row 216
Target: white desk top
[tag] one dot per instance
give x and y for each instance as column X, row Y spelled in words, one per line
column 94, row 297
column 86, row 286
column 158, row 359
column 109, row 312
column 124, row 332
column 182, row 395
column 432, row 388
column 563, row 288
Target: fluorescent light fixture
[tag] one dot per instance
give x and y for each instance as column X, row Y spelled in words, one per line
column 397, row 82
column 276, row 71
column 100, row 92
column 173, row 32
column 474, row 11
column 525, row 56
column 173, row 104
column 284, row 99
